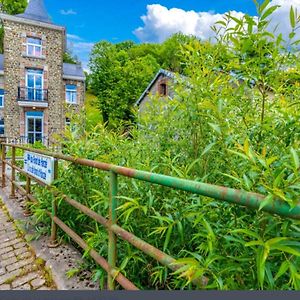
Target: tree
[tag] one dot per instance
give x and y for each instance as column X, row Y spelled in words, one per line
column 70, row 58
column 11, row 7
column 120, row 73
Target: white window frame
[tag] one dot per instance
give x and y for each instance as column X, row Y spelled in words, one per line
column 2, row 126
column 31, row 72
column 71, row 94
column 35, row 47
column 34, row 132
column 2, row 100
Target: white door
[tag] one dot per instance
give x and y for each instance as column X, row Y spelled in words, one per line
column 34, row 127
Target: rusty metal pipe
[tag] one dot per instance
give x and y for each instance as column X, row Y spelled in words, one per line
column 248, row 199
column 123, row 281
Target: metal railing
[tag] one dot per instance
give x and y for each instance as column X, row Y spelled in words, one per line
column 32, row 94
column 239, row 197
column 23, row 140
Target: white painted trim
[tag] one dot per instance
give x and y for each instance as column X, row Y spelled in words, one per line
column 1, row 72
column 32, row 104
column 78, row 78
column 31, row 22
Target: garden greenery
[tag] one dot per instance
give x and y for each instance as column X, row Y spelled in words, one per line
column 234, row 121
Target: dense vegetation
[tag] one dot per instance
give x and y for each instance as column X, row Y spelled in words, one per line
column 121, row 72
column 234, row 121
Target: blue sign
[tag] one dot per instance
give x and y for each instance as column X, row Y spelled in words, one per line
column 39, row 166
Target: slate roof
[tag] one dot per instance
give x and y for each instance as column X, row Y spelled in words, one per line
column 69, row 70
column 160, row 72
column 36, row 11
column 1, row 62
column 73, row 70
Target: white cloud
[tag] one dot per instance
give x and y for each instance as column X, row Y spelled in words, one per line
column 74, row 37
column 161, row 22
column 80, row 48
column 68, row 12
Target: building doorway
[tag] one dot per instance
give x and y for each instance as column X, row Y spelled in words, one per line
column 34, row 127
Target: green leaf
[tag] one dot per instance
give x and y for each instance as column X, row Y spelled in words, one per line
column 215, row 127
column 295, row 158
column 282, row 270
column 168, row 236
column 266, row 201
column 287, row 249
column 292, row 17
column 269, row 11
column 207, row 148
column 254, row 243
column 263, row 6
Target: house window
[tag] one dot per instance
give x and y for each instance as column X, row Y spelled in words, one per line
column 68, row 121
column 34, row 46
column 1, row 126
column 163, row 89
column 71, row 93
column 1, row 98
column 34, row 85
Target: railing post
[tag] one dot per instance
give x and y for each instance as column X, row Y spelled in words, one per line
column 27, row 212
column 53, row 243
column 3, row 157
column 112, row 239
column 13, row 172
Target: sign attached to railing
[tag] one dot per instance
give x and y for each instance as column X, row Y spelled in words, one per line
column 39, row 166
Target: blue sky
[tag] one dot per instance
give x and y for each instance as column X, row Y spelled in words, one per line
column 90, row 21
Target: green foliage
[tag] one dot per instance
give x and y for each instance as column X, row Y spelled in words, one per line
column 11, row 7
column 69, row 58
column 121, row 72
column 234, row 121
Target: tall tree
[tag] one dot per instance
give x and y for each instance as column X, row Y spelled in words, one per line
column 11, row 7
column 119, row 75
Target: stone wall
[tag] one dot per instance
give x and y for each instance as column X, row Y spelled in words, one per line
column 71, row 109
column 154, row 91
column 15, row 64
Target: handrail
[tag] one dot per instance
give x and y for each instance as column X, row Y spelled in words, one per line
column 32, row 94
column 240, row 197
column 248, row 199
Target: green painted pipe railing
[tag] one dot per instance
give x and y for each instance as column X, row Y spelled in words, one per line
column 239, row 197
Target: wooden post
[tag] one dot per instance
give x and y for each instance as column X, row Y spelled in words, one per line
column 27, row 212
column 53, row 243
column 13, row 173
column 3, row 157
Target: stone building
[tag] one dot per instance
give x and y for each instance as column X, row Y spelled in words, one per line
column 37, row 90
column 161, row 85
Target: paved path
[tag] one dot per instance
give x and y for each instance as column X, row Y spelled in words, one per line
column 19, row 268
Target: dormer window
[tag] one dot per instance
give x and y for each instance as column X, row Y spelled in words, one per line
column 34, row 47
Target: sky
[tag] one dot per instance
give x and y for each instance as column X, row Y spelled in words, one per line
column 90, row 21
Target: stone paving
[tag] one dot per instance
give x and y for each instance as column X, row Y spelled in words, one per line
column 19, row 267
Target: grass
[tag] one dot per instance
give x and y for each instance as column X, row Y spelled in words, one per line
column 93, row 114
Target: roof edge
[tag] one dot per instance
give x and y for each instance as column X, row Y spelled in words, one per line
column 161, row 71
column 78, row 78
column 31, row 22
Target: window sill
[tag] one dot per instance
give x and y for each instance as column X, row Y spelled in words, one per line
column 43, row 57
column 71, row 103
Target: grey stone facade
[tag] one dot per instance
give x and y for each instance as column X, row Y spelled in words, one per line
column 19, row 99
column 161, row 85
